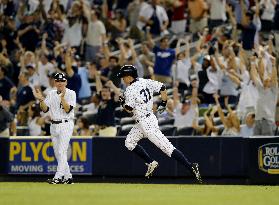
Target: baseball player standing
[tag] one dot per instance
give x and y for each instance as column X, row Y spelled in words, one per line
column 138, row 99
column 60, row 103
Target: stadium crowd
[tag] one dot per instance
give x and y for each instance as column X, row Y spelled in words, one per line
column 218, row 58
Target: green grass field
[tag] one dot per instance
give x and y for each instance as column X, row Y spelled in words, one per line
column 136, row 194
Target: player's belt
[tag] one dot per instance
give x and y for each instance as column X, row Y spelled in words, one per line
column 58, row 121
column 145, row 117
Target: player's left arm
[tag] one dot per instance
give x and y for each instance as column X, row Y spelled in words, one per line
column 68, row 106
column 158, row 86
column 163, row 92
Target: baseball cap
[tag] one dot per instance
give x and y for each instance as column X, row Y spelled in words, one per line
column 186, row 101
column 60, row 77
column 207, row 57
column 77, row 57
column 30, row 66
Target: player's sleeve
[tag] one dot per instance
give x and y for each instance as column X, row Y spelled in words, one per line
column 72, row 99
column 129, row 100
column 156, row 86
column 47, row 100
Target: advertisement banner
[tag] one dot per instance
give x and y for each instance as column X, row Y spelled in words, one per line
column 269, row 158
column 263, row 160
column 35, row 155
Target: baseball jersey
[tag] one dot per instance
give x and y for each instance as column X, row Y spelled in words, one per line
column 56, row 110
column 139, row 96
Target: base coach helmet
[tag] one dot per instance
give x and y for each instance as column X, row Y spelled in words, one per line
column 128, row 70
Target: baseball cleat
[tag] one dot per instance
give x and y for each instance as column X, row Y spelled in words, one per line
column 150, row 168
column 196, row 172
column 68, row 181
column 55, row 181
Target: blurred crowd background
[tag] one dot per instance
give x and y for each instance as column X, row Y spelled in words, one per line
column 218, row 58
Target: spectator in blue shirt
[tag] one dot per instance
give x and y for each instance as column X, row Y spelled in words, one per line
column 164, row 57
column 248, row 30
column 85, row 91
column 247, row 129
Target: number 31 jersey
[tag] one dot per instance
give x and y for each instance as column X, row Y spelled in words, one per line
column 139, row 96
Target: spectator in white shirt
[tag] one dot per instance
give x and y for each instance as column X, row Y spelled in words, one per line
column 217, row 10
column 34, row 79
column 44, row 69
column 155, row 16
column 268, row 13
column 212, row 86
column 74, row 26
column 183, row 65
column 51, row 84
column 95, row 36
column 185, row 112
column 247, row 129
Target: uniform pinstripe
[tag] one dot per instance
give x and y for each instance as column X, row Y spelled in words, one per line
column 61, row 133
column 139, row 96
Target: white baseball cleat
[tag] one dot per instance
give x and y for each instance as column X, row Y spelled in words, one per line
column 150, row 168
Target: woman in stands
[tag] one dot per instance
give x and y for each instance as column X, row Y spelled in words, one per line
column 83, row 127
column 35, row 121
column 231, row 122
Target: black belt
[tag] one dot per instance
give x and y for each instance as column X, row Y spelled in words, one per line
column 58, row 122
column 145, row 116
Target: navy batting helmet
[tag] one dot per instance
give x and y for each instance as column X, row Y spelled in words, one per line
column 128, row 70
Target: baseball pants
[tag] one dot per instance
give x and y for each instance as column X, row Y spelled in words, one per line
column 61, row 135
column 149, row 128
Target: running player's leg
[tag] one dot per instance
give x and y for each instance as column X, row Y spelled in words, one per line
column 154, row 134
column 131, row 143
column 151, row 129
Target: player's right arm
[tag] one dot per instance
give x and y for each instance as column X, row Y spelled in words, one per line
column 38, row 95
column 128, row 100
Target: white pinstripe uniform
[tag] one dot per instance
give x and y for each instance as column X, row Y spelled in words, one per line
column 139, row 96
column 62, row 132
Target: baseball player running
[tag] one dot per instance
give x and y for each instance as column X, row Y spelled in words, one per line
column 138, row 100
column 60, row 103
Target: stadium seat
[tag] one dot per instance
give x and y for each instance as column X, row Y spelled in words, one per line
column 202, row 110
column 162, row 121
column 91, row 118
column 168, row 130
column 170, row 91
column 125, row 129
column 22, row 131
column 201, row 121
column 220, row 129
column 126, row 121
column 217, row 121
column 117, row 120
column 185, row 131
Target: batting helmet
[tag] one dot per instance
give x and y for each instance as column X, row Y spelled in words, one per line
column 128, row 70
